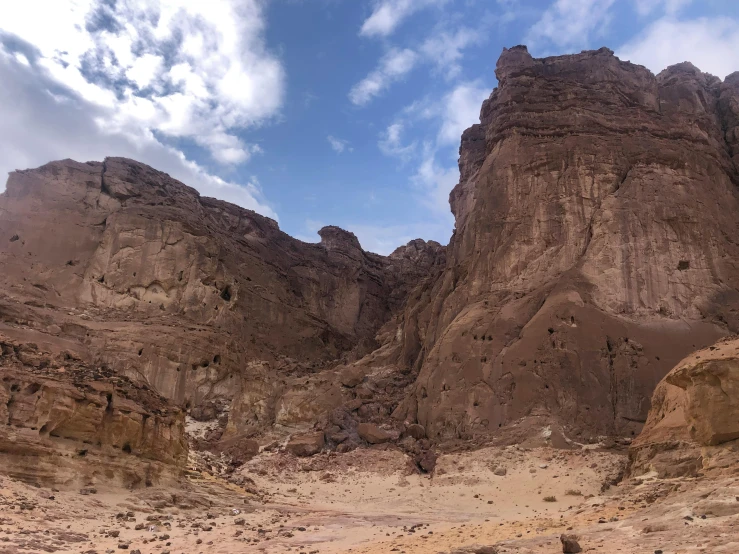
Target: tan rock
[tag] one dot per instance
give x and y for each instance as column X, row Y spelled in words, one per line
column 373, row 434
column 305, row 445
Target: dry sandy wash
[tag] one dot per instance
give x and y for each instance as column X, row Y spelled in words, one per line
column 369, row 501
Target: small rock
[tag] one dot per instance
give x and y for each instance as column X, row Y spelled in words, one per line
column 570, row 544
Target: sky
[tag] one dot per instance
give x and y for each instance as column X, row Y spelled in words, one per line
column 311, row 112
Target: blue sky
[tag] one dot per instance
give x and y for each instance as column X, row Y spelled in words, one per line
column 313, row 112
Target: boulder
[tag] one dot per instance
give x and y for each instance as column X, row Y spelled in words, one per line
column 373, row 434
column 570, row 544
column 305, row 445
column 351, row 376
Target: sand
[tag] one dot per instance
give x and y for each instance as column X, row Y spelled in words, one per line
column 368, row 501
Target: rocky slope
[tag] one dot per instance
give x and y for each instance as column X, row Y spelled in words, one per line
column 596, row 245
column 193, row 296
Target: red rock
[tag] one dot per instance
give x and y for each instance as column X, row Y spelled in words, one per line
column 305, row 445
column 373, row 434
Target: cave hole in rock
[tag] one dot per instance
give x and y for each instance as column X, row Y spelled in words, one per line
column 181, row 275
column 33, row 388
column 551, row 330
column 101, row 279
column 683, row 265
column 15, row 387
column 141, row 351
column 109, row 407
column 226, row 294
column 44, row 429
column 127, row 448
column 217, row 359
column 82, row 453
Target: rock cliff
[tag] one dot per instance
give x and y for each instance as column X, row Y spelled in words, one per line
column 596, row 244
column 123, row 266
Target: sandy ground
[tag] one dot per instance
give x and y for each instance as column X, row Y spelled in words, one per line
column 367, row 502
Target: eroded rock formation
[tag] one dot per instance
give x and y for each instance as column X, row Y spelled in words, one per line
column 596, row 244
column 693, row 425
column 190, row 295
column 63, row 422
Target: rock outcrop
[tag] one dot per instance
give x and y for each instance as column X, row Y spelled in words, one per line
column 65, row 423
column 693, row 426
column 190, row 295
column 596, row 244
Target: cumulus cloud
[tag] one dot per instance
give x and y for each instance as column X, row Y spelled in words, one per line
column 711, row 44
column 192, row 71
column 570, row 24
column 339, row 145
column 42, row 120
column 392, row 67
column 387, row 15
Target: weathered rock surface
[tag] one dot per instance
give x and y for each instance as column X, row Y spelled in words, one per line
column 194, row 296
column 693, row 424
column 308, row 444
column 596, row 245
column 63, row 422
column 372, row 433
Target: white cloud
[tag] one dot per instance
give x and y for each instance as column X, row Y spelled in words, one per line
column 569, row 24
column 711, row 44
column 444, row 49
column 392, row 67
column 339, row 145
column 670, row 7
column 390, row 142
column 460, row 109
column 41, row 120
column 194, row 71
column 387, row 15
column 436, row 174
column 435, row 183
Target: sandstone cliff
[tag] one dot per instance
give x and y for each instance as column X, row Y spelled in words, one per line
column 124, row 266
column 596, row 244
column 63, row 422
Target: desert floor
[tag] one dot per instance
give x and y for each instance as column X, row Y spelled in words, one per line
column 368, row 501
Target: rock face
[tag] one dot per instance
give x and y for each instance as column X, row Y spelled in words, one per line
column 190, row 295
column 65, row 423
column 596, row 244
column 693, row 425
